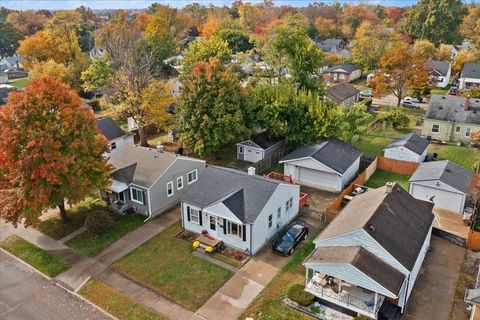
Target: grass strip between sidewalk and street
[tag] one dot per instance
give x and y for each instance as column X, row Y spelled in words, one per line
column 38, row 258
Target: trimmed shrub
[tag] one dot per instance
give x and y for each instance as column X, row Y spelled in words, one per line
column 297, row 294
column 98, row 222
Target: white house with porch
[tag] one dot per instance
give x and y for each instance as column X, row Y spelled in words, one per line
column 368, row 258
column 242, row 210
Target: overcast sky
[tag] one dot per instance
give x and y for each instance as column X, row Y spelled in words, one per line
column 139, row 4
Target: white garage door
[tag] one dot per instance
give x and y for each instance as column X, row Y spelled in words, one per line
column 253, row 155
column 443, row 199
column 318, row 178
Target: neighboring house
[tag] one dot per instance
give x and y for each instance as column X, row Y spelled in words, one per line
column 241, row 209
column 472, row 297
column 470, row 76
column 97, row 53
column 439, row 72
column 11, row 63
column 116, row 137
column 331, row 45
column 3, row 78
column 4, row 93
column 343, row 93
column 451, row 118
column 443, row 183
column 258, row 147
column 149, row 181
column 330, row 164
column 407, row 147
column 368, row 258
column 342, row 73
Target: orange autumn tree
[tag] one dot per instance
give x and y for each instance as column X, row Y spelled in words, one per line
column 50, row 151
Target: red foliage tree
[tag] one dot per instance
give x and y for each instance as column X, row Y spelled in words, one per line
column 50, row 151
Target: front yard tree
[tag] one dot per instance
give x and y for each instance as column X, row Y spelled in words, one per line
column 50, row 152
column 212, row 110
column 400, row 68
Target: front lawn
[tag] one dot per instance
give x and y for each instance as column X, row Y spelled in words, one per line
column 461, row 155
column 166, row 264
column 268, row 304
column 34, row 256
column 115, row 303
column 20, row 84
column 54, row 228
column 441, row 91
column 90, row 244
column 381, row 177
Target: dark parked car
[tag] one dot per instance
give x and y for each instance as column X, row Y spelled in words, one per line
column 290, row 238
column 453, row 91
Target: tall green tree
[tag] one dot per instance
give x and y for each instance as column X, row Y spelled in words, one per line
column 9, row 39
column 369, row 44
column 51, row 151
column 438, row 21
column 204, row 49
column 212, row 109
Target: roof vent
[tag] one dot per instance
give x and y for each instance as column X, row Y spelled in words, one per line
column 443, row 97
column 371, row 228
column 440, row 108
column 389, row 187
column 159, row 148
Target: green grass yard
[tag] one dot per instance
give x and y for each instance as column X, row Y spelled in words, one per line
column 90, row 244
column 53, row 226
column 166, row 264
column 34, row 256
column 461, row 155
column 115, row 303
column 381, row 177
column 23, row 83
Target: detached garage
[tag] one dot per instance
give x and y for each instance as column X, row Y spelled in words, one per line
column 407, row 147
column 444, row 183
column 328, row 165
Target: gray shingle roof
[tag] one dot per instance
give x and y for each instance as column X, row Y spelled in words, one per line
column 395, row 220
column 342, row 91
column 333, row 153
column 445, row 171
column 349, row 68
column 411, row 141
column 452, row 108
column 471, row 70
column 440, row 66
column 139, row 165
column 263, row 140
column 109, row 128
column 243, row 194
column 12, row 60
column 372, row 266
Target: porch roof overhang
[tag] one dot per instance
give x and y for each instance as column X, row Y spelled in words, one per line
column 117, row 186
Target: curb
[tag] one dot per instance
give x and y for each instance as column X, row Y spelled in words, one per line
column 52, row 280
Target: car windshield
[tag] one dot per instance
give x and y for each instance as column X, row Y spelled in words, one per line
column 288, row 237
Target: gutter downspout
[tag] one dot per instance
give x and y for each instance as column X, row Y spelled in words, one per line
column 149, row 207
column 251, row 239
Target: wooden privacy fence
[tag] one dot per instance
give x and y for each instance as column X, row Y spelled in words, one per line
column 269, row 161
column 397, row 166
column 314, row 214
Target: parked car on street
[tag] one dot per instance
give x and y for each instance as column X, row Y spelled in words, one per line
column 366, row 93
column 290, row 238
column 453, row 91
column 409, row 104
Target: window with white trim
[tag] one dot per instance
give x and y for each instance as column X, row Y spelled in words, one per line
column 179, row 183
column 137, row 195
column 270, row 221
column 467, row 132
column 458, row 129
column 279, row 212
column 234, row 229
column 194, row 216
column 170, row 189
column 240, row 150
column 435, row 128
column 192, row 176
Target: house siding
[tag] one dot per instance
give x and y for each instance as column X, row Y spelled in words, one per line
column 126, row 140
column 418, row 264
column 448, row 131
column 138, row 207
column 336, row 77
column 404, row 154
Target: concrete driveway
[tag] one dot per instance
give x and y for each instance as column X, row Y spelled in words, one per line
column 318, row 200
column 26, row 295
column 391, row 100
column 434, row 290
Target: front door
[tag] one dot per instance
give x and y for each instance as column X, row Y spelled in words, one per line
column 121, row 196
column 212, row 223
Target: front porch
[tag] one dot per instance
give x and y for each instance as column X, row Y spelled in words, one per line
column 341, row 293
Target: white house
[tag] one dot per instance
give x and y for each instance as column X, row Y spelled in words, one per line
column 470, row 76
column 149, row 181
column 368, row 258
column 330, row 164
column 439, row 72
column 258, row 147
column 243, row 210
column 116, row 137
column 11, row 62
column 407, row 147
column 444, row 183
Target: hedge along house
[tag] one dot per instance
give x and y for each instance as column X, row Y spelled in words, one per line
column 329, row 165
column 243, row 210
column 259, row 147
column 407, row 147
column 149, row 181
column 368, row 258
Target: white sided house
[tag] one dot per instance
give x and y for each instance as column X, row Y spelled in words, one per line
column 329, row 165
column 258, row 147
column 470, row 76
column 368, row 258
column 439, row 72
column 407, row 147
column 116, row 137
column 149, row 181
column 443, row 183
column 243, row 210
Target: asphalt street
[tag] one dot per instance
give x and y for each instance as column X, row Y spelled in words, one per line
column 24, row 294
